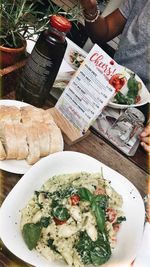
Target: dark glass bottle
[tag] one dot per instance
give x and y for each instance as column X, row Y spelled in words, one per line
column 44, row 62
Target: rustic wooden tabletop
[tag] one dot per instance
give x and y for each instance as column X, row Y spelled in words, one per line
column 95, row 147
column 135, row 170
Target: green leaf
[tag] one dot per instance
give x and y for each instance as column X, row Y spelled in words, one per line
column 133, row 89
column 85, row 194
column 60, row 213
column 100, row 254
column 120, row 98
column 45, row 221
column 51, row 245
column 101, row 200
column 93, row 252
column 31, row 233
column 83, row 246
column 100, row 217
column 120, row 220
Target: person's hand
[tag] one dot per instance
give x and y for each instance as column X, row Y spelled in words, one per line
column 145, row 138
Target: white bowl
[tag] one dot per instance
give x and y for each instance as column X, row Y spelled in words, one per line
column 129, row 236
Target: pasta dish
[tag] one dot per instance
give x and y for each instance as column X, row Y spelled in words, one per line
column 73, row 218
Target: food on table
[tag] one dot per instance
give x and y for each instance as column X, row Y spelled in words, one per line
column 2, row 152
column 28, row 133
column 132, row 96
column 117, row 81
column 9, row 114
column 76, row 59
column 73, row 218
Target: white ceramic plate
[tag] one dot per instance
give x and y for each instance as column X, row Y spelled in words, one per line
column 71, row 50
column 144, row 94
column 15, row 166
column 129, row 236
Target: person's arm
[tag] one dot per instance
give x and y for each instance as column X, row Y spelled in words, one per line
column 103, row 29
column 145, row 138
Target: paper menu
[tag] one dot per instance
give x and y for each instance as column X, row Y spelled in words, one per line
column 89, row 91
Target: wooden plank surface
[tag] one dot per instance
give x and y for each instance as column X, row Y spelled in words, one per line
column 94, row 147
column 99, row 149
column 140, row 158
column 66, row 4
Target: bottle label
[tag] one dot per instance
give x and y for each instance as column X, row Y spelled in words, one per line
column 37, row 70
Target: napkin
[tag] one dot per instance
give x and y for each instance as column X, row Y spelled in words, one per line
column 143, row 256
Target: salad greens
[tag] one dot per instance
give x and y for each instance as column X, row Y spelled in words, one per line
column 60, row 213
column 31, row 233
column 93, row 252
column 98, row 204
column 132, row 94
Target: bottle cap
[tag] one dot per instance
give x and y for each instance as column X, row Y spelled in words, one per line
column 60, row 23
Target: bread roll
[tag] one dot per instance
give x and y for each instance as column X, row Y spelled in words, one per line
column 9, row 140
column 47, row 117
column 22, row 146
column 28, row 133
column 9, row 114
column 31, row 114
column 43, row 137
column 56, row 140
column 33, row 144
column 2, row 151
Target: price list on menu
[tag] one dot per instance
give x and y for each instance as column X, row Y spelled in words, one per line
column 89, row 90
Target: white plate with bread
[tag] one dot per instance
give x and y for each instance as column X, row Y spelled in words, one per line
column 27, row 134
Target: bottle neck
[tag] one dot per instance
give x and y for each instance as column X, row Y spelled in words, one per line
column 56, row 34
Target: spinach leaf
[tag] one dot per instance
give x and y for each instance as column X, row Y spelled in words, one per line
column 120, row 220
column 85, row 194
column 45, row 221
column 101, row 200
column 98, row 204
column 100, row 254
column 93, row 252
column 122, row 99
column 51, row 245
column 60, row 213
column 31, row 233
column 83, row 247
column 100, row 216
column 65, row 193
column 55, row 203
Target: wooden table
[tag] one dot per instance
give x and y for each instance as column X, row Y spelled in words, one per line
column 135, row 169
column 96, row 147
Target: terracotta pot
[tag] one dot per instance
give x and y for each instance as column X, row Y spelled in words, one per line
column 9, row 56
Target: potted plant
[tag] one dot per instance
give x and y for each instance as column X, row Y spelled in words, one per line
column 20, row 21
